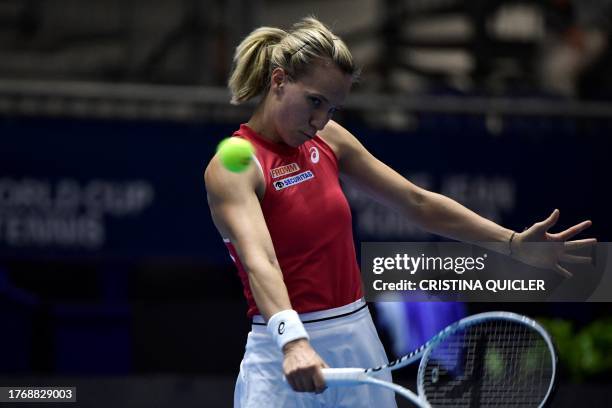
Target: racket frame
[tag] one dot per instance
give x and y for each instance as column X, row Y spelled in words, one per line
column 352, row 376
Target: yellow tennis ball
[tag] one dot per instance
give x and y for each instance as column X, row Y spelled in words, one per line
column 494, row 363
column 235, row 154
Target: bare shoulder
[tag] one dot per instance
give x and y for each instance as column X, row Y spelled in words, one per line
column 223, row 184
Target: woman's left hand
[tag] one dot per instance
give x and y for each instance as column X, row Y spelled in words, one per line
column 537, row 247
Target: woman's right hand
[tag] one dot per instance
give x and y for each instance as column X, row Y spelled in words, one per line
column 302, row 367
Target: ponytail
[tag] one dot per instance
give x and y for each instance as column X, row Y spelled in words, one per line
column 250, row 74
column 268, row 48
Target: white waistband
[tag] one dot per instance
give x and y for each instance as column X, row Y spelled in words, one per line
column 322, row 314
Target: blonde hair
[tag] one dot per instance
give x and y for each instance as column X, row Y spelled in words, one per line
column 268, row 48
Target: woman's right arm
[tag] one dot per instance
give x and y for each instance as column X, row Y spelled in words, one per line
column 236, row 212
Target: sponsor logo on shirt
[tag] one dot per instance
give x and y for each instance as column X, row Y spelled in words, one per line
column 284, row 170
column 314, row 155
column 293, row 180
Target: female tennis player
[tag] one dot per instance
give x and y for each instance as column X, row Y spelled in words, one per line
column 287, row 223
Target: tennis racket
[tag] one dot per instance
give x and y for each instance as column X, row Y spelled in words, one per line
column 493, row 359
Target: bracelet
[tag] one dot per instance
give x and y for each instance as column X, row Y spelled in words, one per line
column 286, row 326
column 510, row 242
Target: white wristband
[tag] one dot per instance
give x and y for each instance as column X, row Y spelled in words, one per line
column 286, row 326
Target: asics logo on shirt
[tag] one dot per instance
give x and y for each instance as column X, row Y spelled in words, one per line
column 314, row 155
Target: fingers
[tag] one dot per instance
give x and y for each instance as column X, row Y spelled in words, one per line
column 305, row 383
column 570, row 232
column 575, row 259
column 296, row 382
column 550, row 221
column 302, row 368
column 307, row 380
column 580, row 244
column 319, row 381
column 299, row 382
column 563, row 271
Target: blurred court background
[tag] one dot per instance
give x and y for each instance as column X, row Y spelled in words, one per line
column 112, row 276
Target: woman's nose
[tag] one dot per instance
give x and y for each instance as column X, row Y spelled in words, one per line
column 319, row 120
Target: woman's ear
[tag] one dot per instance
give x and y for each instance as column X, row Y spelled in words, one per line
column 279, row 77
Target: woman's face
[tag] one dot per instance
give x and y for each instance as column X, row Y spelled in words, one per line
column 302, row 107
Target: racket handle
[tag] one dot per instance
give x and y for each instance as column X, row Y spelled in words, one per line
column 344, row 376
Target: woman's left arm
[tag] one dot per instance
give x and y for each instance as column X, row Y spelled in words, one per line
column 443, row 216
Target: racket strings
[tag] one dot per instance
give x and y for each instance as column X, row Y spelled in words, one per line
column 496, row 363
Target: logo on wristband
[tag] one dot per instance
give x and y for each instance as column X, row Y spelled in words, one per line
column 281, row 328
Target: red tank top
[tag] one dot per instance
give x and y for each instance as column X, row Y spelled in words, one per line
column 310, row 223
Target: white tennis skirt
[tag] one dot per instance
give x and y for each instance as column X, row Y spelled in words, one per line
column 343, row 336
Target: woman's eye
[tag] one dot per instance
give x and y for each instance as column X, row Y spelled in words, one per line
column 316, row 102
